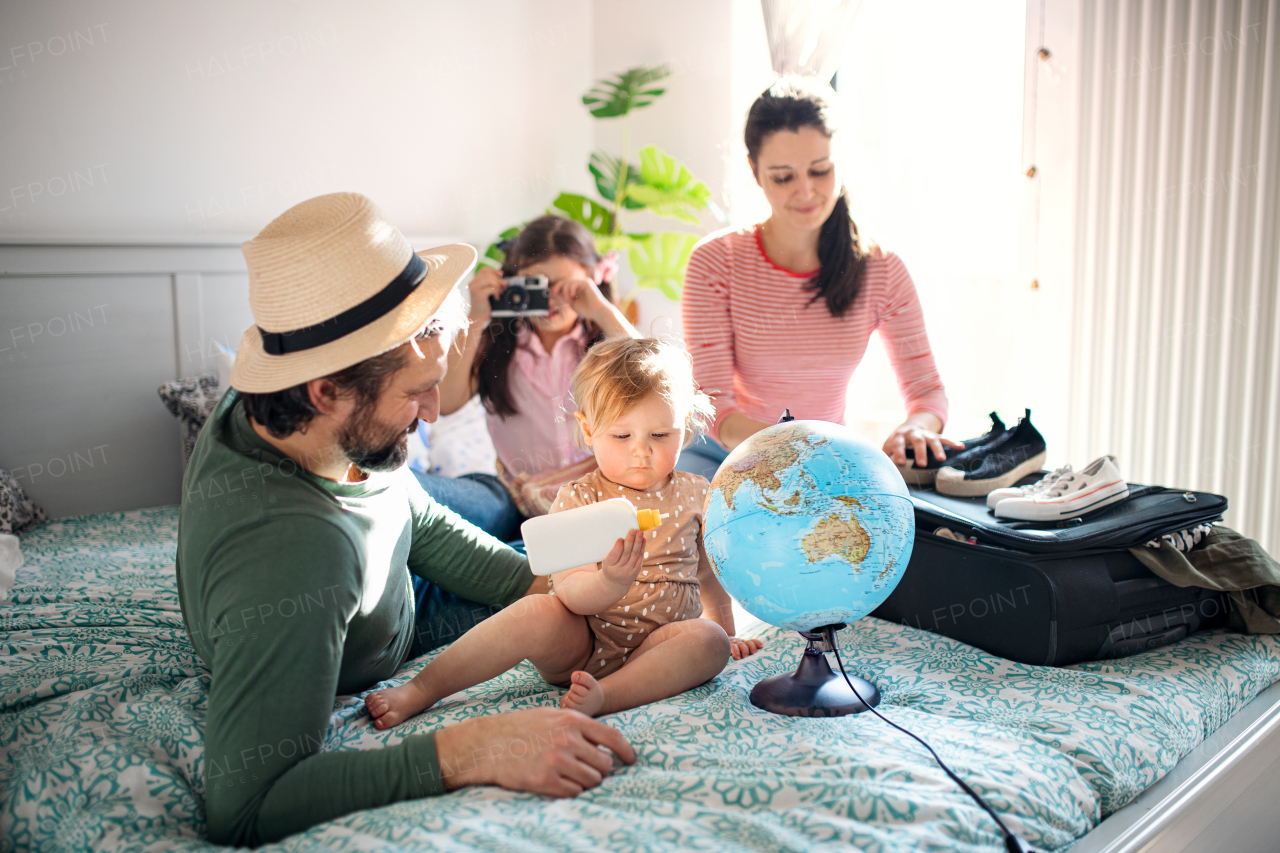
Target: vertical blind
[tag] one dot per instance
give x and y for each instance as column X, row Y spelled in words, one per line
column 1175, row 327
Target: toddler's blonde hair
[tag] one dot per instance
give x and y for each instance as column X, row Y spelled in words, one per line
column 617, row 374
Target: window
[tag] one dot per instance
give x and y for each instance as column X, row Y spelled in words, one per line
column 932, row 94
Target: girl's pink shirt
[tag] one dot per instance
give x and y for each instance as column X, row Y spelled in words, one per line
column 539, row 437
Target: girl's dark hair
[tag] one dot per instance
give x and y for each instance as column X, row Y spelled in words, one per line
column 789, row 104
column 543, row 238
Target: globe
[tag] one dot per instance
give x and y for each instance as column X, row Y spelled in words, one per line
column 808, row 524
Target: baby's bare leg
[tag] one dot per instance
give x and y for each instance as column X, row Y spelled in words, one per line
column 674, row 658
column 537, row 628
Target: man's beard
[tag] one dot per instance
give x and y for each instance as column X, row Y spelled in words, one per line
column 371, row 445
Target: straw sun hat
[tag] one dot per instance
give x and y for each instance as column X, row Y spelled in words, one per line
column 332, row 283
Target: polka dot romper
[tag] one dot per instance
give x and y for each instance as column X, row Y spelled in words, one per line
column 666, row 590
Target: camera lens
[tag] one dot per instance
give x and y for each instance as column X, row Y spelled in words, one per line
column 517, row 296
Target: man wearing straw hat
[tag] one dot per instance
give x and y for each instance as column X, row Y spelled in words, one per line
column 300, row 527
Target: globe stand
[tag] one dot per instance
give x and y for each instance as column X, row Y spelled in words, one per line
column 813, row 690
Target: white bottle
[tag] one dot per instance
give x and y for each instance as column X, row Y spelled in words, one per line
column 585, row 534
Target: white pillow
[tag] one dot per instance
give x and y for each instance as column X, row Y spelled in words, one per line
column 419, row 457
column 10, row 561
column 225, row 358
column 460, row 443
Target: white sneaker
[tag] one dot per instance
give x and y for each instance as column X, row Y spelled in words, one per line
column 1076, row 493
column 1027, row 491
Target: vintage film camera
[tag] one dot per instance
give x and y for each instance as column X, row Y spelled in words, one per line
column 523, row 296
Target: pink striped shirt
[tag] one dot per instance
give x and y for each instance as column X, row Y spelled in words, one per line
column 759, row 345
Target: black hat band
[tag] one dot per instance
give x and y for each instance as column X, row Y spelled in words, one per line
column 357, row 317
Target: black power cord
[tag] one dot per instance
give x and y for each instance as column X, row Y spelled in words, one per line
column 1013, row 843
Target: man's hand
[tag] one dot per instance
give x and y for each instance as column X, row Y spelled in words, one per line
column 546, row 751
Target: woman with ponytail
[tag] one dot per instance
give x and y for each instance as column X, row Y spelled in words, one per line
column 778, row 315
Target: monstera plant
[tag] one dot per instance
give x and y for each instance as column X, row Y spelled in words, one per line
column 658, row 183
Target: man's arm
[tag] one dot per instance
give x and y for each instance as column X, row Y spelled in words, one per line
column 278, row 600
column 274, row 672
column 461, row 558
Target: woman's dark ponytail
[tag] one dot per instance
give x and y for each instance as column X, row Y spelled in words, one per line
column 790, row 104
column 841, row 259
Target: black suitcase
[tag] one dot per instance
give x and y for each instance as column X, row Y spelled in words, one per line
column 1052, row 594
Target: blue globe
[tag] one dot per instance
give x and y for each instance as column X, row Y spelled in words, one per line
column 808, row 524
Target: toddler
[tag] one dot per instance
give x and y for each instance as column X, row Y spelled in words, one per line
column 650, row 620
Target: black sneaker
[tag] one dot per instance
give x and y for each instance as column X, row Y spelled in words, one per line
column 916, row 476
column 995, row 465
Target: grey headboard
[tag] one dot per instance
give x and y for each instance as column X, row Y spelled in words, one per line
column 87, row 334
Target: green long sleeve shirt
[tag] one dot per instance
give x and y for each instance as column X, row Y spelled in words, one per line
column 296, row 589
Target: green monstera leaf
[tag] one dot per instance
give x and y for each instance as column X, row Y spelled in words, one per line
column 625, row 92
column 605, row 167
column 622, row 243
column 493, row 256
column 579, row 208
column 659, row 261
column 667, row 186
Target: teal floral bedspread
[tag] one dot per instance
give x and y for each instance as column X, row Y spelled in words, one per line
column 102, row 705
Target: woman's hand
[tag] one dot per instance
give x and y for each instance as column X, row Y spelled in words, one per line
column 922, row 436
column 487, row 282
column 737, row 428
column 741, row 648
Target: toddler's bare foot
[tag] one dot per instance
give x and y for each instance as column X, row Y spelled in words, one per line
column 396, row 704
column 586, row 695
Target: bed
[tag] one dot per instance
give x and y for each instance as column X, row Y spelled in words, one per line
column 102, row 703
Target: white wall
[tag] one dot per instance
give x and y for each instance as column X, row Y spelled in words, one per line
column 691, row 120
column 752, row 74
column 127, row 123
column 148, row 121
column 719, row 60
column 134, row 121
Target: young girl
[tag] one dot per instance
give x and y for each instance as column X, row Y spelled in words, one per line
column 521, row 369
column 625, row 631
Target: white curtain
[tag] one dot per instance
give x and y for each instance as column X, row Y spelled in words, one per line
column 808, row 36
